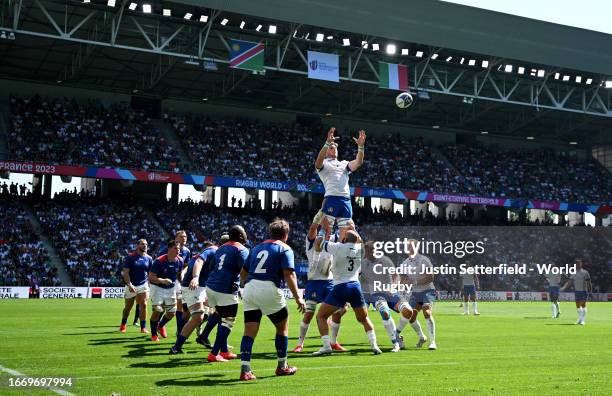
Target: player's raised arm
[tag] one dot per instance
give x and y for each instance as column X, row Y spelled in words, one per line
column 323, row 151
column 358, row 161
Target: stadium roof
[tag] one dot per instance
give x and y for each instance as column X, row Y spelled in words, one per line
column 551, row 95
column 444, row 25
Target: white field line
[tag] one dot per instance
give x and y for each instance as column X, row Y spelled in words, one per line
column 51, row 388
column 201, row 372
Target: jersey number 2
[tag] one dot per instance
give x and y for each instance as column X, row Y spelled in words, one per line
column 262, row 256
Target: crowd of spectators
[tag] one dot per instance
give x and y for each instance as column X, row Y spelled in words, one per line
column 23, row 259
column 534, row 174
column 64, row 131
column 93, row 235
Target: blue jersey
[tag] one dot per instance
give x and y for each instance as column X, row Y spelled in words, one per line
column 229, row 260
column 166, row 269
column 139, row 267
column 208, row 255
column 268, row 260
column 204, row 256
column 185, row 253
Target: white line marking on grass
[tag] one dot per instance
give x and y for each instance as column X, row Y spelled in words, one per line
column 170, row 374
column 51, row 388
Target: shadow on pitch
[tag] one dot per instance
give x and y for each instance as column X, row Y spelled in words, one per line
column 537, row 317
column 172, row 363
column 561, row 324
column 206, row 380
column 111, row 341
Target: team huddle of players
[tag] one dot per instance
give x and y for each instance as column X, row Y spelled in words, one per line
column 205, row 287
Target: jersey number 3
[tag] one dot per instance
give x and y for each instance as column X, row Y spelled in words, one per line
column 351, row 265
column 262, row 256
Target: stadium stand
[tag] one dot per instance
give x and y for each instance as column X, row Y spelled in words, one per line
column 23, row 259
column 92, row 235
column 63, row 131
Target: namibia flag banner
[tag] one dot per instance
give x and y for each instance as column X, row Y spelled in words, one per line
column 246, row 55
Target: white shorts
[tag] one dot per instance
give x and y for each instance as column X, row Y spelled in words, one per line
column 177, row 290
column 127, row 294
column 192, row 297
column 161, row 296
column 216, row 299
column 263, row 295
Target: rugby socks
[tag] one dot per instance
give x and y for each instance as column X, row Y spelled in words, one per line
column 326, row 343
column 416, row 326
column 246, row 347
column 180, row 340
column 431, row 328
column 164, row 321
column 466, row 308
column 475, row 306
column 335, row 328
column 303, row 330
column 154, row 324
column 221, row 340
column 554, row 309
column 282, row 343
column 402, row 324
column 391, row 330
column 213, row 320
column 372, row 338
column 143, row 324
column 179, row 322
column 558, row 307
column 136, row 314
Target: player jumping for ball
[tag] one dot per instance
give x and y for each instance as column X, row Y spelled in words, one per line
column 335, row 177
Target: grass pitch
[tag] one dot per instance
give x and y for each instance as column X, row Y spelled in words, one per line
column 512, row 348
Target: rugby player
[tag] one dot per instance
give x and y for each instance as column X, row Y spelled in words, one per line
column 335, row 177
column 222, row 289
column 376, row 274
column 582, row 288
column 554, row 284
column 269, row 263
column 135, row 273
column 422, row 297
column 470, row 285
column 163, row 274
column 194, row 292
column 318, row 286
column 346, row 265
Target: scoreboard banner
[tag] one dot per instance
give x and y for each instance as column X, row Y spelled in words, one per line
column 317, row 188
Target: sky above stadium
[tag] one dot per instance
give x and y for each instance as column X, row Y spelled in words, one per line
column 587, row 14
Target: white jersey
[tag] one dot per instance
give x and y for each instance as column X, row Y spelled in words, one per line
column 554, row 280
column 346, row 264
column 468, row 279
column 417, row 266
column 580, row 278
column 319, row 263
column 368, row 276
column 335, row 177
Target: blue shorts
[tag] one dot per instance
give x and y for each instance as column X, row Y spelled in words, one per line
column 391, row 300
column 553, row 291
column 346, row 293
column 469, row 290
column 317, row 290
column 338, row 207
column 426, row 297
column 581, row 295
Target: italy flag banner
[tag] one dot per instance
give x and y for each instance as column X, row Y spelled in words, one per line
column 393, row 76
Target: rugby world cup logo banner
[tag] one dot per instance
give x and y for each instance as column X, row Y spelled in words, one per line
column 323, row 66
